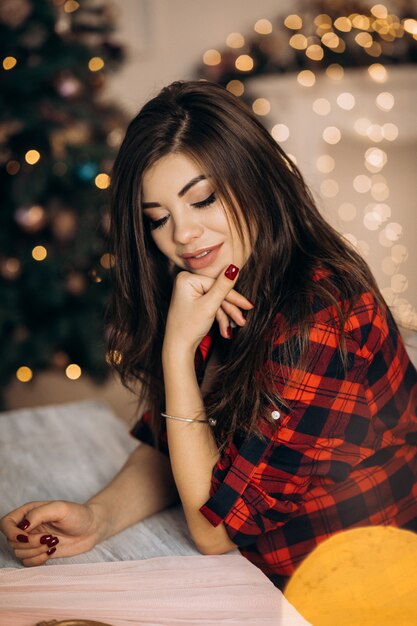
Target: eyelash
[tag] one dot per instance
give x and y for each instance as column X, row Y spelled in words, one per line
column 154, row 224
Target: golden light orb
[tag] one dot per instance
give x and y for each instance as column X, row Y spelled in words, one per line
column 343, row 24
column 293, row 22
column 361, row 21
column 362, row 183
column 235, row 40
column 32, row 157
column 346, row 100
column 380, row 11
column 332, row 135
column 331, row 40
column 306, row 78
column 280, row 132
column 102, row 181
column 261, row 106
column 335, row 71
column 410, row 25
column 236, row 87
column 95, row 64
column 378, row 72
column 107, row 260
column 39, row 253
column 323, row 18
column 298, row 42
column 73, row 371
column 9, row 63
column 24, row 374
column 263, row 27
column 70, row 6
column 244, row 63
column 315, row 52
column 212, row 57
column 364, row 40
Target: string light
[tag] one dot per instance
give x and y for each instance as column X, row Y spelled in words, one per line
column 102, row 181
column 73, row 371
column 263, row 27
column 364, row 40
column 343, row 24
column 32, row 157
column 236, row 87
column 306, row 78
column 261, row 106
column 298, row 42
column 235, row 40
column 315, row 52
column 380, row 11
column 332, row 135
column 331, row 40
column 244, row 63
column 39, row 253
column 212, row 57
column 280, row 132
column 95, row 64
column 385, row 101
column 24, row 374
column 9, row 63
column 410, row 26
column 335, row 71
column 346, row 101
column 378, row 72
column 293, row 22
column 70, row 6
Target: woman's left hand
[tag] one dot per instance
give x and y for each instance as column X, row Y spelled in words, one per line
column 198, row 300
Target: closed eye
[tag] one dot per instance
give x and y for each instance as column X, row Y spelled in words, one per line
column 206, row 202
column 154, row 224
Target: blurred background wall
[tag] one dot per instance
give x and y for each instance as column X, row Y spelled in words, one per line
column 338, row 95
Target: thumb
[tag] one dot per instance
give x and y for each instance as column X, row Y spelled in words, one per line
column 37, row 513
column 223, row 284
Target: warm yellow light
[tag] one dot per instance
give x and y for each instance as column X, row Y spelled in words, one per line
column 261, row 106
column 280, row 132
column 376, row 157
column 306, row 78
column 385, row 101
column 236, row 87
column 39, row 253
column 362, row 183
column 390, row 131
column 95, row 64
column 102, row 181
column 346, row 100
column 32, row 157
column 332, row 135
column 375, row 50
column 107, row 261
column 325, row 163
column 235, row 40
column 321, row 106
column 380, row 11
column 294, row 22
column 24, row 374
column 335, row 71
column 343, row 24
column 9, row 63
column 73, row 371
column 244, row 63
column 378, row 72
column 323, row 18
column 331, row 40
column 315, row 52
column 361, row 21
column 212, row 57
column 298, row 41
column 364, row 40
column 410, row 25
column 263, row 27
column 70, row 6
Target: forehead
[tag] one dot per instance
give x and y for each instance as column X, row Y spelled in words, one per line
column 172, row 170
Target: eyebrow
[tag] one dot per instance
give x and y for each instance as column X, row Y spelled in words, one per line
column 181, row 193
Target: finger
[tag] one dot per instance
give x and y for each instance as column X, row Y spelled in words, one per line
column 234, row 297
column 37, row 560
column 222, row 286
column 234, row 313
column 224, row 325
column 29, row 554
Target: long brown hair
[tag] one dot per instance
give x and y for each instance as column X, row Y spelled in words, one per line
column 255, row 180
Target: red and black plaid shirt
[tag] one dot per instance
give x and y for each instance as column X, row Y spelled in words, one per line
column 344, row 455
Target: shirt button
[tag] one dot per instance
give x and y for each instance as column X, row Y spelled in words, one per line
column 275, row 415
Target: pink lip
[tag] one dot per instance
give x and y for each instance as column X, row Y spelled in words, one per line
column 205, row 261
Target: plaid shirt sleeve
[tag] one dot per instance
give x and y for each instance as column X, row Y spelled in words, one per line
column 344, row 453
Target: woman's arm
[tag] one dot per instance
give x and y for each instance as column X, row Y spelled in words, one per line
column 143, row 486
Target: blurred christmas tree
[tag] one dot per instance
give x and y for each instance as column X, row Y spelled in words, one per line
column 57, row 144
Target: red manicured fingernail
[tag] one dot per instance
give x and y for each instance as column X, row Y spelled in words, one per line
column 229, row 331
column 45, row 538
column 231, row 272
column 22, row 538
column 52, row 542
column 23, row 524
column 51, row 551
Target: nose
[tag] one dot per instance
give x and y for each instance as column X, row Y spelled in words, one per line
column 186, row 229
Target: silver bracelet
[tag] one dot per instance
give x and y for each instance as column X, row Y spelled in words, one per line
column 210, row 421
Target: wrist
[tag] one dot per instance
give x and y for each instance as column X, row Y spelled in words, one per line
column 100, row 521
column 174, row 350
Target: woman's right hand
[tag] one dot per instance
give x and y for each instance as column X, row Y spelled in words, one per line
column 68, row 527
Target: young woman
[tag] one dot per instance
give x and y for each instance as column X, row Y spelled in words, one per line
column 282, row 403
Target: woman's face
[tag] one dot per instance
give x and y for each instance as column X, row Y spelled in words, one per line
column 187, row 220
